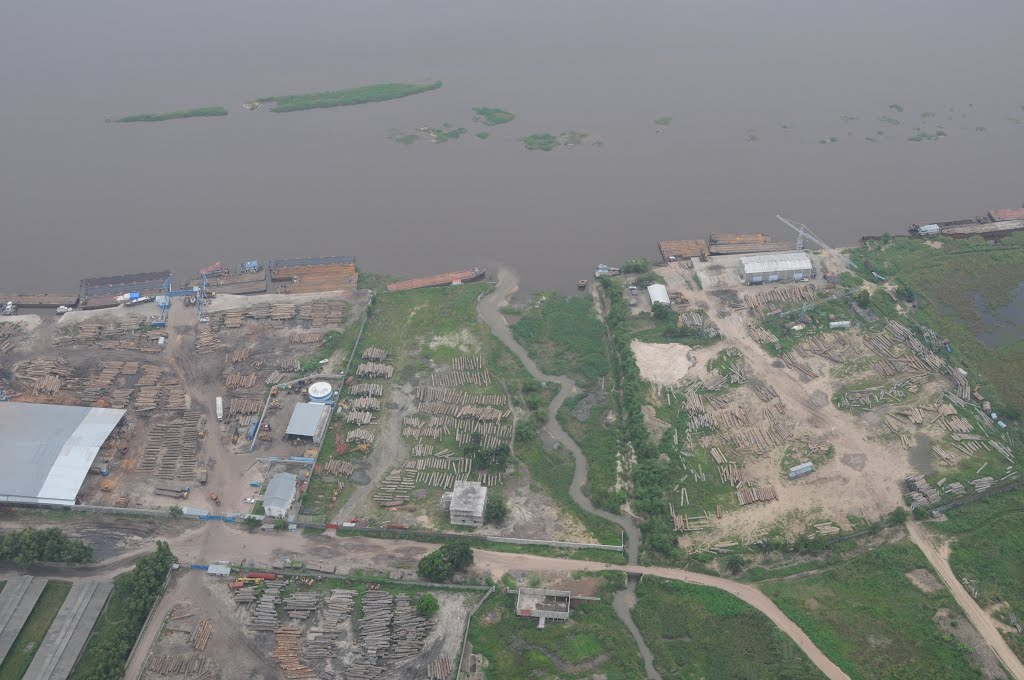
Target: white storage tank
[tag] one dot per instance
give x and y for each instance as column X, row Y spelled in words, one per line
column 320, row 392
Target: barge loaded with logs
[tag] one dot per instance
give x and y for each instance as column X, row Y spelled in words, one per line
column 994, row 224
column 447, row 279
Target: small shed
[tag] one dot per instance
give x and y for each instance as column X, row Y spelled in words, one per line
column 801, row 470
column 772, row 267
column 280, row 495
column 309, row 420
column 659, row 293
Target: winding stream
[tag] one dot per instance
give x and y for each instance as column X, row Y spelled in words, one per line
column 489, row 309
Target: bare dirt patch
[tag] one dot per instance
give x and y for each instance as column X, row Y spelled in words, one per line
column 980, row 654
column 925, row 580
column 662, row 363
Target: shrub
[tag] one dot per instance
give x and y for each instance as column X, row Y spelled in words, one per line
column 427, row 606
column 496, row 509
column 175, row 511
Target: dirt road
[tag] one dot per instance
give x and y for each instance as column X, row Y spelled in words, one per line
column 982, row 621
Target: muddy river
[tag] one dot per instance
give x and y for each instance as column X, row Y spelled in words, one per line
column 795, row 107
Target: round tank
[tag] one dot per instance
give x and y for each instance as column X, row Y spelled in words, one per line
column 320, row 392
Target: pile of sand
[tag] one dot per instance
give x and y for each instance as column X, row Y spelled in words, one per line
column 661, row 363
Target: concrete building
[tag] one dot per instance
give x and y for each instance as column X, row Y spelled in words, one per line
column 280, row 495
column 309, row 421
column 543, row 604
column 659, row 293
column 772, row 267
column 467, row 503
column 46, row 450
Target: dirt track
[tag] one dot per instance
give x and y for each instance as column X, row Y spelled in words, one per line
column 982, row 621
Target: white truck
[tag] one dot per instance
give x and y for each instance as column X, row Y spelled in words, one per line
column 220, row 409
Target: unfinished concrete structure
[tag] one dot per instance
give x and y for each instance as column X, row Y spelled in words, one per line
column 467, row 504
column 544, row 604
column 69, row 631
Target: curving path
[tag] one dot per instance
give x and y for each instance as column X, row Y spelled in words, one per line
column 974, row 612
column 489, row 310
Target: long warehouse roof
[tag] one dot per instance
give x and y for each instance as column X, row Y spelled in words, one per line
column 775, row 262
column 46, row 450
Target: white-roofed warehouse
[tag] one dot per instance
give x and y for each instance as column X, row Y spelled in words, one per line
column 46, row 450
column 772, row 267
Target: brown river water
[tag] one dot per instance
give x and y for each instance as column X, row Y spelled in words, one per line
column 752, row 87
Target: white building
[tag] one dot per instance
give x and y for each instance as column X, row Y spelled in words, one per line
column 659, row 293
column 280, row 495
column 772, row 267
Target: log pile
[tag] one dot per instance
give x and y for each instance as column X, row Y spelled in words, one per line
column 460, row 378
column 447, row 396
column 201, row 634
column 338, row 468
column 375, row 370
column 470, row 363
column 189, row 666
column 834, row 347
column 360, row 435
column 921, row 492
column 243, row 407
column 757, row 494
column 264, row 616
column 9, row 333
column 367, row 390
column 440, row 668
column 307, row 338
column 240, row 380
column 761, row 335
column 287, row 653
column 366, row 404
column 301, row 605
column 763, row 302
column 764, row 392
column 359, row 417
column 374, row 354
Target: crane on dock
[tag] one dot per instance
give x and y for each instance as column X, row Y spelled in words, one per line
column 803, row 233
column 196, row 295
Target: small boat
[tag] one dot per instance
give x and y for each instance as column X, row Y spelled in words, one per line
column 582, row 284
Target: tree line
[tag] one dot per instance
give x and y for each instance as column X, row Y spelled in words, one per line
column 42, row 545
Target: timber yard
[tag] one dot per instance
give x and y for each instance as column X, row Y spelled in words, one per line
column 279, row 395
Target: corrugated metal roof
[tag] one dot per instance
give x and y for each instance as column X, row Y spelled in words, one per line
column 46, row 450
column 775, row 262
column 306, row 419
column 658, row 293
column 280, row 494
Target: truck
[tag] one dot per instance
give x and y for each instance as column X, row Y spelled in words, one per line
column 220, row 409
column 172, row 491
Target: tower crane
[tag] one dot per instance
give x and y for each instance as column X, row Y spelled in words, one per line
column 803, row 233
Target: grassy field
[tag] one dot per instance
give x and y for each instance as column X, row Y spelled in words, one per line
column 869, row 618
column 489, row 116
column 350, row 97
column 988, row 549
column 593, row 643
column 986, row 277
column 600, row 443
column 204, row 112
column 698, row 632
column 32, row 633
column 565, row 337
column 437, row 324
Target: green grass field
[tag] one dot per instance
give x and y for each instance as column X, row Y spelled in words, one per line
column 988, row 549
column 350, row 97
column 986, row 276
column 205, row 112
column 594, row 643
column 32, row 633
column 600, row 444
column 868, row 617
column 699, row 632
column 565, row 337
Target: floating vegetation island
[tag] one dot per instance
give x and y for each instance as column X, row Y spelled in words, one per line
column 436, row 135
column 351, row 97
column 543, row 141
column 204, row 112
column 493, row 116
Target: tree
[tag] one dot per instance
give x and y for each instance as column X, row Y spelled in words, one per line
column 862, row 297
column 458, row 554
column 427, row 606
column 897, row 516
column 252, row 523
column 280, row 524
column 734, row 564
column 660, row 311
column 434, row 567
column 175, row 511
column 636, row 266
column 496, row 508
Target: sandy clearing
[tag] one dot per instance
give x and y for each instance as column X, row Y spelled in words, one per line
column 662, row 363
